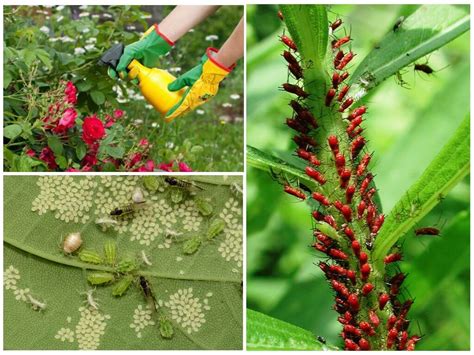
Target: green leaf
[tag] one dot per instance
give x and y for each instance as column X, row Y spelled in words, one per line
column 98, row 97
column 84, row 85
column 12, row 131
column 7, row 78
column 427, row 29
column 43, row 210
column 81, row 150
column 44, row 57
column 28, row 56
column 114, row 152
column 56, row 145
column 61, row 161
column 447, row 169
column 267, row 333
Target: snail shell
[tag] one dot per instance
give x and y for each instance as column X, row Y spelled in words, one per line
column 72, row 242
column 137, row 196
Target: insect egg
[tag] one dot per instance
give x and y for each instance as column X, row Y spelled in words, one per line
column 72, row 243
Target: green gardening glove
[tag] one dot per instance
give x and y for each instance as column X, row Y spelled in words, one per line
column 147, row 51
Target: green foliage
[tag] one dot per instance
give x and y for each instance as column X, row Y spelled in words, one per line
column 407, row 129
column 82, row 297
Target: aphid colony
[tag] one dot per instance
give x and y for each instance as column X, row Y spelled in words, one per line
column 347, row 218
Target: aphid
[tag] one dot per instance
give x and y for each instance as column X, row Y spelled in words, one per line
column 90, row 299
column 105, row 222
column 333, row 144
column 126, row 265
column 296, row 70
column 145, row 259
column 296, row 106
column 349, row 233
column 36, row 304
column 345, row 60
column 365, row 271
column 296, row 125
column 364, row 162
column 295, row 192
column 343, row 76
column 321, row 339
column 123, row 211
column 351, row 275
column 425, row 68
column 367, row 288
column 280, row 15
column 215, row 228
column 374, row 319
column 307, row 116
column 340, row 161
column 348, row 102
column 137, row 196
column 395, row 283
column 290, row 58
column 236, row 189
column 350, row 329
column 355, row 133
column 318, row 216
column 321, row 198
column 345, row 210
column 181, row 183
column 364, row 344
column 335, row 80
column 304, row 141
column 363, row 257
column 337, row 269
column 403, row 340
column 338, row 43
column 398, row 23
column 90, row 256
column 323, row 238
column 204, row 206
column 350, row 193
column 288, row 42
column 337, row 254
column 359, row 111
column 151, row 183
column 177, row 195
column 147, row 292
column 383, row 299
column 399, row 80
column 356, row 146
column 320, row 247
column 71, row 243
column 122, row 286
column 355, row 245
column 353, row 302
column 316, row 175
column 392, row 258
column 354, row 124
column 391, row 337
column 391, row 321
column 335, row 24
column 329, row 96
column 365, row 183
column 192, row 245
column 340, row 288
column 370, row 218
column 295, row 89
column 100, row 278
column 350, row 345
column 304, row 154
column 378, row 223
column 337, row 58
column 343, row 93
column 166, row 327
column 427, row 231
column 412, row 342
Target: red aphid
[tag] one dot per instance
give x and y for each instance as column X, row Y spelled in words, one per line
column 335, row 24
column 318, row 216
column 357, row 132
column 350, row 345
column 361, row 209
column 365, row 183
column 333, row 144
column 351, row 275
column 392, row 258
column 356, row 146
column 405, row 308
column 341, row 42
column 337, row 254
column 323, row 238
column 331, row 221
column 391, row 337
column 363, row 257
column 320, row 247
column 307, row 116
column 364, row 162
column 340, row 288
column 342, row 320
column 280, row 15
column 340, row 161
column 383, row 299
column 304, row 141
column 369, row 194
column 374, row 318
column 359, row 111
column 354, row 124
column 427, row 231
column 295, row 105
column 295, row 192
column 335, row 80
column 288, row 42
column 343, row 76
column 402, row 343
column 337, row 58
column 345, row 176
column 343, row 92
column 296, row 70
column 348, row 316
column 290, row 58
column 337, row 269
column 370, row 218
column 316, row 175
column 391, row 321
column 304, row 154
column 295, row 89
column 344, row 61
column 350, row 193
column 321, row 198
column 350, row 329
column 349, row 232
column 353, row 302
column 395, row 283
column 412, row 342
column 355, row 245
column 329, row 96
column 346, row 104
column 365, row 271
column 378, row 223
column 296, row 125
column 367, row 328
column 347, row 212
column 367, row 288
column 323, row 266
column 364, row 344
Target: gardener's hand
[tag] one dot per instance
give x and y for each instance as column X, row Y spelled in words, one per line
column 147, row 51
column 202, row 81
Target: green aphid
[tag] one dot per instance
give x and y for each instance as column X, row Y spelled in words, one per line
column 110, row 252
column 203, row 206
column 166, row 328
column 177, row 195
column 192, row 245
column 151, row 183
column 122, row 285
column 327, row 229
column 216, row 227
column 100, row 278
column 126, row 265
column 90, row 256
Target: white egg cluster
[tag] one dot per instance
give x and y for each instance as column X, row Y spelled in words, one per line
column 142, row 318
column 231, row 248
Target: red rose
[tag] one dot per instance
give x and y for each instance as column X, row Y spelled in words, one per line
column 31, row 153
column 166, row 167
column 67, row 120
column 109, row 121
column 92, row 130
column 47, row 156
column 183, row 167
column 71, row 93
column 118, row 113
column 143, row 142
column 148, row 167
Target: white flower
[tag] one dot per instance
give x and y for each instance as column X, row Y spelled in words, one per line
column 138, row 122
column 79, row 50
column 131, row 28
column 154, row 124
column 54, row 39
column 44, row 29
column 200, row 112
column 106, row 15
column 226, row 104
column 169, row 145
column 145, row 16
column 91, row 40
column 235, row 96
column 84, row 14
column 95, row 16
column 59, row 8
column 89, row 47
column 211, row 38
column 85, row 30
column 175, row 69
column 66, row 39
column 60, row 18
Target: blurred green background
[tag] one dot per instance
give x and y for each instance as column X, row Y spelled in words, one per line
column 406, row 128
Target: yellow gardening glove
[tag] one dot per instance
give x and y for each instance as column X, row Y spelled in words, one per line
column 203, row 83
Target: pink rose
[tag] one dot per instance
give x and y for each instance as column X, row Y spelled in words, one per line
column 148, row 167
column 92, row 130
column 109, row 121
column 166, row 167
column 67, row 120
column 31, row 153
column 183, row 167
column 71, row 93
column 118, row 113
column 143, row 142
